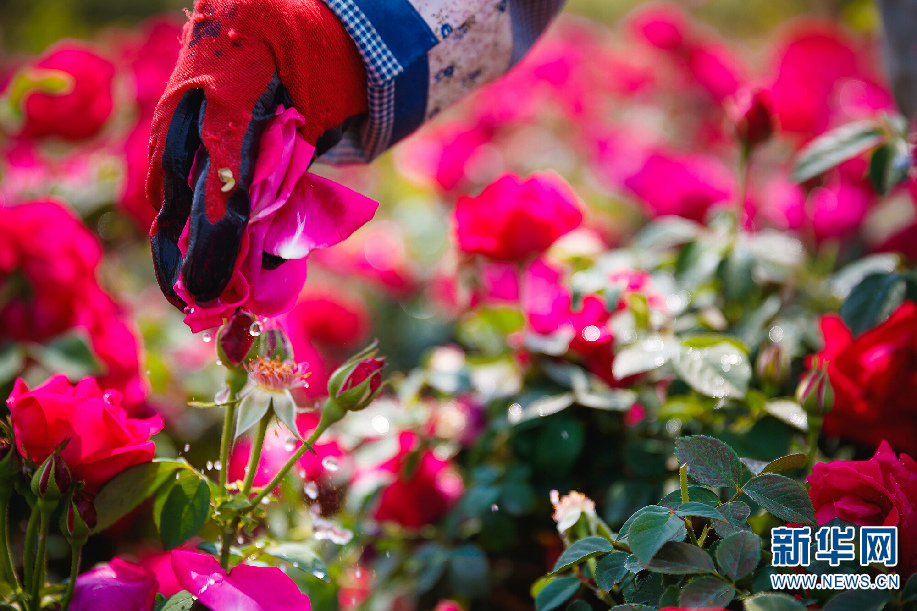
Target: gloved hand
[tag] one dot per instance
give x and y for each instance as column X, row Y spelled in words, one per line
column 239, row 59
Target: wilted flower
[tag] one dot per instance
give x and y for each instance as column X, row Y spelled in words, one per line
column 235, row 339
column 569, row 508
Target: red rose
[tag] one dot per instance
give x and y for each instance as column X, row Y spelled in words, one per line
column 513, row 219
column 881, row 491
column 48, row 263
column 422, row 498
column 874, row 378
column 117, row 585
column 101, row 441
column 80, row 109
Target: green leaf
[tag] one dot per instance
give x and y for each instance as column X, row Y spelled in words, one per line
column 889, row 165
column 469, row 571
column 579, row 605
column 786, row 463
column 625, row 528
column 651, row 531
column 582, row 550
column 859, row 600
column 769, row 601
column 910, row 588
column 428, row 563
column 124, row 492
column 182, row 601
column 644, row 355
column 610, row 570
column 698, row 510
column 872, row 301
column 835, row 147
column 739, row 554
column 709, row 460
column 782, row 497
column 677, row 558
column 301, row 556
column 721, row 370
column 69, row 354
column 736, row 519
column 184, row 512
column 697, row 494
column 556, row 593
column 706, row 591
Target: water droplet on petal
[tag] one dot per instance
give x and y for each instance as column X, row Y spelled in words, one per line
column 330, row 463
column 189, row 310
column 256, row 329
column 311, row 490
column 206, row 336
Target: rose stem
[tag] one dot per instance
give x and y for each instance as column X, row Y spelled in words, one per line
column 38, row 573
column 7, row 571
column 76, row 552
column 28, row 555
column 250, row 471
column 235, row 380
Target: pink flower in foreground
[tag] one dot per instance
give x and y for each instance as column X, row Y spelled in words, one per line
column 244, row 588
column 293, row 213
column 514, row 218
column 880, row 491
column 69, row 95
column 101, row 440
column 117, row 586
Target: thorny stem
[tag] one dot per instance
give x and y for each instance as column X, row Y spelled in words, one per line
column 744, row 167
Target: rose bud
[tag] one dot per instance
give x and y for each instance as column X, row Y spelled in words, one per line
column 351, row 387
column 752, row 114
column 356, row 383
column 80, row 518
column 815, row 393
column 235, row 339
column 773, row 366
column 52, row 479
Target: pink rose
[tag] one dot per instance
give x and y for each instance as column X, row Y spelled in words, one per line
column 101, row 441
column 873, row 379
column 252, row 588
column 681, row 184
column 880, row 491
column 117, row 586
column 424, row 497
column 513, row 219
column 80, row 108
column 293, row 213
column 812, row 66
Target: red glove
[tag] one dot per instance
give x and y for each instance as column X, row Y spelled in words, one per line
column 239, row 59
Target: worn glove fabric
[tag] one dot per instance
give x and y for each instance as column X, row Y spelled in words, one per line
column 239, row 59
